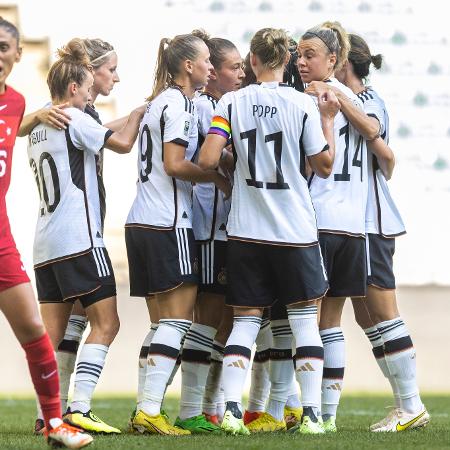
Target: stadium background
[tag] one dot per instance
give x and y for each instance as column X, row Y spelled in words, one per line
column 414, row 82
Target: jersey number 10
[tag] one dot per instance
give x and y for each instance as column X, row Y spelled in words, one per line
column 38, row 171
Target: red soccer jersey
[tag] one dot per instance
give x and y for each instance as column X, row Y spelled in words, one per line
column 12, row 107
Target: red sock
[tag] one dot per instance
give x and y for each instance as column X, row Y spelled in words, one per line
column 44, row 373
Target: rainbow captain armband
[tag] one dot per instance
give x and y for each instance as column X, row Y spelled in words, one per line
column 220, row 126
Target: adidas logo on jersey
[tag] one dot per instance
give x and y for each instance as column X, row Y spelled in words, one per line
column 239, row 364
column 306, row 368
column 184, row 216
column 222, row 227
column 98, row 234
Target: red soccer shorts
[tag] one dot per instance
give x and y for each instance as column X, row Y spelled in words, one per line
column 12, row 271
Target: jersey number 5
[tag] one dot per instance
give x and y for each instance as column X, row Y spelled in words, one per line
column 277, row 139
column 38, row 171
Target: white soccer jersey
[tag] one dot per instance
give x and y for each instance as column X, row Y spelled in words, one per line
column 163, row 202
column 210, row 209
column 273, row 129
column 382, row 215
column 340, row 200
column 64, row 166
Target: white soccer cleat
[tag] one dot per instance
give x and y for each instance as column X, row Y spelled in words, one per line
column 383, row 422
column 402, row 421
column 64, row 435
column 232, row 425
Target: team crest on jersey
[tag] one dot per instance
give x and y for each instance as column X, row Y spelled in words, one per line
column 222, row 276
column 187, row 124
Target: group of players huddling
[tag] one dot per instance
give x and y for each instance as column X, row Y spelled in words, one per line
column 261, row 205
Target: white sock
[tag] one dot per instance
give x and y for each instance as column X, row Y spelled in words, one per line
column 195, row 362
column 401, row 360
column 333, row 370
column 375, row 339
column 293, row 400
column 66, row 355
column 214, row 380
column 89, row 367
column 162, row 356
column 237, row 356
column 309, row 354
column 281, row 367
column 221, row 404
column 260, row 380
column 143, row 364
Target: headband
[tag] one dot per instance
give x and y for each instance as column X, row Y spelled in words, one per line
column 318, row 36
column 102, row 56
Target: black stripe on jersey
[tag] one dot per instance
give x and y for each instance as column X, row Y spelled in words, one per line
column 281, row 244
column 377, row 195
column 76, row 163
column 346, row 233
column 107, row 136
column 211, row 98
column 214, row 217
column 162, row 126
column 302, row 150
column 179, row 141
column 235, row 157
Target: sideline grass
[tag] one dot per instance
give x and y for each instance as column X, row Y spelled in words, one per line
column 356, row 413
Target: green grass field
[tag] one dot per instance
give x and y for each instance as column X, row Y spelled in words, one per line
column 356, row 413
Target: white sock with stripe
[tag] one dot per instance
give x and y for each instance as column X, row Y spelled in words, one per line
column 309, row 354
column 333, row 370
column 214, row 380
column 281, row 367
column 375, row 339
column 401, row 360
column 236, row 359
column 195, row 362
column 143, row 363
column 89, row 368
column 66, row 356
column 260, row 380
column 162, row 356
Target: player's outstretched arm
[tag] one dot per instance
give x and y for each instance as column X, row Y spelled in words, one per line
column 54, row 116
column 118, row 124
column 385, row 156
column 122, row 141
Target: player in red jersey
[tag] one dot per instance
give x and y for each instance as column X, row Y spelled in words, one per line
column 16, row 293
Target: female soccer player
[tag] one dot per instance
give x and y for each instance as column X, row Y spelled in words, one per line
column 70, row 259
column 272, row 235
column 16, row 295
column 104, row 64
column 340, row 205
column 212, row 321
column 378, row 314
column 160, row 242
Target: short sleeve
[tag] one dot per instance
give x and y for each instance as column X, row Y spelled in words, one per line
column 313, row 139
column 205, row 111
column 220, row 123
column 373, row 108
column 178, row 121
column 87, row 134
